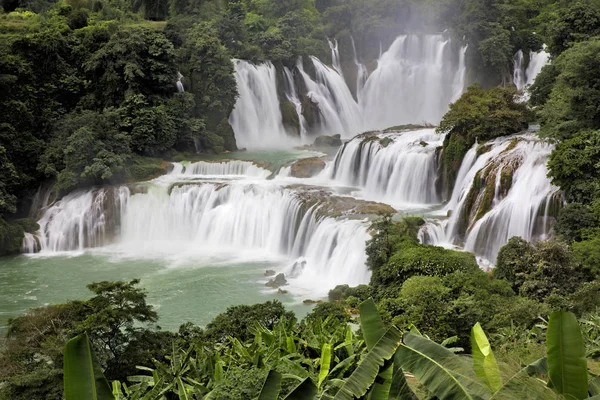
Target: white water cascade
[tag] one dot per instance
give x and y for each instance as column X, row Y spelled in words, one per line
column 256, row 118
column 226, row 168
column 521, row 204
column 397, row 168
column 415, row 81
column 180, row 87
column 213, row 210
column 524, row 77
column 361, row 72
column 292, row 95
column 335, row 56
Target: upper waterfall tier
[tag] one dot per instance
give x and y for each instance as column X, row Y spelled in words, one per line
column 502, row 190
column 399, row 168
column 414, row 82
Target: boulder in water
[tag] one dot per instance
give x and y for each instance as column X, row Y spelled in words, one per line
column 328, row 141
column 269, row 272
column 277, row 282
column 307, row 167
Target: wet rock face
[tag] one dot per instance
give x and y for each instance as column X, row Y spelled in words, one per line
column 307, row 167
column 277, row 282
column 328, row 141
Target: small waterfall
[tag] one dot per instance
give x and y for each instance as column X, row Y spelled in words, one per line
column 335, row 56
column 500, row 193
column 397, row 168
column 361, row 72
column 81, row 220
column 519, row 79
column 256, row 118
column 30, row 244
column 524, row 77
column 415, row 81
column 180, row 88
column 220, row 168
column 292, row 95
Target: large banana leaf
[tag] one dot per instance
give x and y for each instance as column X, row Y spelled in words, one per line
column 526, row 385
column 304, row 391
column 373, row 329
column 594, row 385
column 83, row 377
column 567, row 367
column 443, row 373
column 370, row 323
column 484, row 362
column 399, row 389
column 325, row 363
column 271, row 387
column 364, row 376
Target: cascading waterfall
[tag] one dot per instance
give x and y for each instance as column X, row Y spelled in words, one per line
column 507, row 186
column 180, row 88
column 397, row 168
column 415, row 81
column 361, row 72
column 524, row 77
column 292, row 95
column 80, row 220
column 335, row 56
column 230, row 167
column 256, row 118
column 194, row 215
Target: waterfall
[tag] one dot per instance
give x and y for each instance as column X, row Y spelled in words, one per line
column 256, row 118
column 415, row 81
column 397, row 168
column 361, row 72
column 30, row 243
column 340, row 112
column 335, row 56
column 80, row 220
column 180, row 88
column 519, row 79
column 219, row 168
column 524, row 77
column 191, row 214
column 292, row 95
column 500, row 193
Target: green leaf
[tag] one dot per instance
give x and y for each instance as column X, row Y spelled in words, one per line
column 364, row 376
column 304, row 391
column 370, row 323
column 594, row 385
column 271, row 387
column 484, row 361
column 442, row 372
column 83, row 377
column 325, row 363
column 526, row 385
column 567, row 367
column 400, row 389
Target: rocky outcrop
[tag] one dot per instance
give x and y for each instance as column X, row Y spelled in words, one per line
column 328, row 141
column 277, row 282
column 307, row 167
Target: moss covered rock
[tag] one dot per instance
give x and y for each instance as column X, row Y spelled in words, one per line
column 328, row 141
column 290, row 119
column 307, row 167
column 311, row 112
column 12, row 234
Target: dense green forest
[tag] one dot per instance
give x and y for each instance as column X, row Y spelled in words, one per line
column 89, row 96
